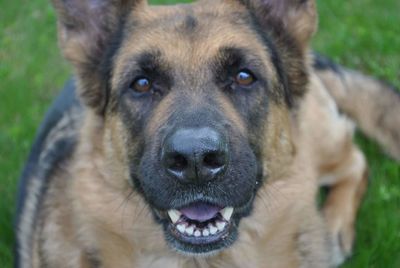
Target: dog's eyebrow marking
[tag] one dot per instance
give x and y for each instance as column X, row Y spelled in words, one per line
column 149, row 60
column 152, row 63
column 230, row 57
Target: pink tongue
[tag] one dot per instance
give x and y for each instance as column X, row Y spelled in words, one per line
column 200, row 211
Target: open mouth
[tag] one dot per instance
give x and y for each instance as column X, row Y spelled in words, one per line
column 200, row 223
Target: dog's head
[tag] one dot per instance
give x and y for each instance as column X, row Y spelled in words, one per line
column 195, row 101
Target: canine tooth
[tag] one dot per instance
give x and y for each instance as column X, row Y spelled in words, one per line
column 174, row 215
column 221, row 225
column 197, row 233
column 213, row 229
column 206, row 232
column 227, row 213
column 181, row 228
column 190, row 230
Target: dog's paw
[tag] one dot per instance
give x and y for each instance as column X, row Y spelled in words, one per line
column 341, row 234
column 341, row 247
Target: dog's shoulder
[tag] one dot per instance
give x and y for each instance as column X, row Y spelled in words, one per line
column 54, row 142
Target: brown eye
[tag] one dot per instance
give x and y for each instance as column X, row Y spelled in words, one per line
column 141, row 85
column 244, row 78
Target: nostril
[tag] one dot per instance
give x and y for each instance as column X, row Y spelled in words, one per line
column 195, row 155
column 176, row 162
column 214, row 160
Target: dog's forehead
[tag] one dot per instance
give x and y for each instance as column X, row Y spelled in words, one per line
column 205, row 9
column 191, row 33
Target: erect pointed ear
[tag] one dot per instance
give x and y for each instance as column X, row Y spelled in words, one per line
column 297, row 18
column 87, row 30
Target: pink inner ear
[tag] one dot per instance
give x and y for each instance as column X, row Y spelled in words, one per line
column 200, row 211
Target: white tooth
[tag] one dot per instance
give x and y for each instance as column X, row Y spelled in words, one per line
column 206, row 232
column 221, row 225
column 197, row 233
column 174, row 215
column 181, row 228
column 190, row 230
column 227, row 213
column 213, row 229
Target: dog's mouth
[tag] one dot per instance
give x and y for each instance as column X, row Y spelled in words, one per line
column 200, row 223
column 200, row 227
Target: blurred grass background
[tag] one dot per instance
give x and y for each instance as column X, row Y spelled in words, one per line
column 361, row 34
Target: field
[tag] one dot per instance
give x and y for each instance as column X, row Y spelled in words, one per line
column 361, row 34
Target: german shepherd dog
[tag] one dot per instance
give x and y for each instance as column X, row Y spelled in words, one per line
column 198, row 135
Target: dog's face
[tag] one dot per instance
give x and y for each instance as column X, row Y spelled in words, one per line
column 195, row 101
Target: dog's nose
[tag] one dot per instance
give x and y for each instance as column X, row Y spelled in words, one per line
column 195, row 155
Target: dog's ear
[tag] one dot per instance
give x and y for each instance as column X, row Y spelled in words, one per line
column 297, row 18
column 87, row 30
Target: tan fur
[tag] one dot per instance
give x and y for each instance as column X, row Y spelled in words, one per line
column 91, row 214
column 371, row 103
column 346, row 175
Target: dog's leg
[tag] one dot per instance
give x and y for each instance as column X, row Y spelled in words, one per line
column 340, row 165
column 347, row 181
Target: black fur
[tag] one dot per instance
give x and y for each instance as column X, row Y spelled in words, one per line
column 322, row 63
column 190, row 23
column 105, row 67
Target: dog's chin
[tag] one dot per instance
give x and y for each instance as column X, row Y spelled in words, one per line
column 202, row 229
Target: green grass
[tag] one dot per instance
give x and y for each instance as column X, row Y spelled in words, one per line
column 362, row 34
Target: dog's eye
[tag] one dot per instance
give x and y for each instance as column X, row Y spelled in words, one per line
column 244, row 78
column 141, row 85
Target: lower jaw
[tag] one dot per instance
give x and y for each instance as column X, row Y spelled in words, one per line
column 200, row 246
